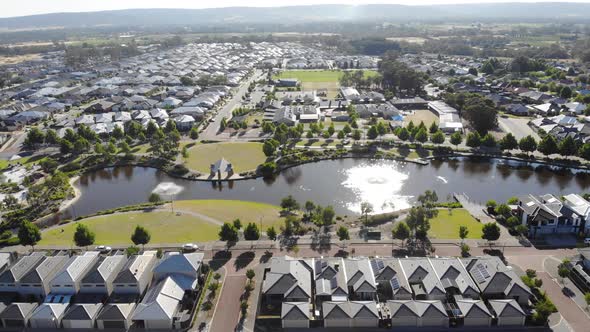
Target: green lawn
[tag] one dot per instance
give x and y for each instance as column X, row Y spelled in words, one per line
column 242, row 156
column 318, row 75
column 116, row 229
column 446, row 226
column 226, row 210
column 24, row 161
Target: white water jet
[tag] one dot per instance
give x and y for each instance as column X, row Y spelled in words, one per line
column 168, row 189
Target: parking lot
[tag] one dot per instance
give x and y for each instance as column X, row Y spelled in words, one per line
column 517, row 126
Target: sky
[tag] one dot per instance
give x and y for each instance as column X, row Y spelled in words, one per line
column 10, row 8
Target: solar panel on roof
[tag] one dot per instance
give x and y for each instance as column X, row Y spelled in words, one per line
column 394, row 283
column 333, row 283
column 476, row 273
column 483, row 270
column 380, row 265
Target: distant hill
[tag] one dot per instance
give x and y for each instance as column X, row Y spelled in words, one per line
column 301, row 14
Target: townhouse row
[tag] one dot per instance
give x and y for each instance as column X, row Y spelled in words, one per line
column 393, row 292
column 95, row 291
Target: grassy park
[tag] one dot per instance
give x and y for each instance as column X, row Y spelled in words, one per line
column 168, row 227
column 242, row 156
column 320, row 79
column 446, row 226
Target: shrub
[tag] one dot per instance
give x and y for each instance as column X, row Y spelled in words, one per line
column 132, row 250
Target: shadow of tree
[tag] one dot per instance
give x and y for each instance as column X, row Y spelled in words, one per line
column 266, row 257
column 219, row 259
column 320, row 242
column 403, row 151
column 244, row 259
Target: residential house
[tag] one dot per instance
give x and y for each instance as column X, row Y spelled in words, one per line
column 575, row 108
column 195, row 112
column 580, row 211
column 136, row 275
column 454, row 277
column 415, row 103
column 423, row 280
column 5, row 260
column 546, row 214
column 350, row 93
column 184, row 122
column 185, row 269
column 517, row 109
column 37, row 281
column 507, row 312
column 115, row 316
column 68, row 280
column 81, row 316
column 295, row 314
column 449, row 120
column 11, row 276
column 496, row 280
column 474, row 313
column 330, row 280
column 48, row 315
column 159, row 307
column 391, row 277
column 16, row 315
column 360, row 279
column 100, row 277
column 287, row 280
column 417, row 313
column 285, row 115
column 353, row 314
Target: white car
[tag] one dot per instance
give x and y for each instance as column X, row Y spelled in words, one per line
column 104, row 249
column 190, row 247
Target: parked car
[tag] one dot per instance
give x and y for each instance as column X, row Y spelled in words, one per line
column 190, row 247
column 103, row 249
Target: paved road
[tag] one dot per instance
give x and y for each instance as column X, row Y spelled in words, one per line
column 225, row 112
column 227, row 312
column 518, row 127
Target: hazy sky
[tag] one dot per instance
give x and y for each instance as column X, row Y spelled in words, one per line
column 10, row 8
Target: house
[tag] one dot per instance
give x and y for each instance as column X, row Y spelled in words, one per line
column 449, row 120
column 507, row 312
column 547, row 109
column 330, row 280
column 353, row 314
column 136, row 275
column 185, row 269
column 420, row 313
column 158, row 308
column 581, row 209
column 67, row 281
column 350, row 93
column 195, row 112
column 99, row 279
column 37, row 281
column 575, row 108
column 122, row 117
column 295, row 314
column 48, row 315
column 517, row 109
column 454, row 277
column 496, row 280
column 423, row 279
column 391, row 277
column 115, row 316
column 10, row 277
column 5, row 260
column 360, row 279
column 170, row 102
column 16, row 315
column 159, row 114
column 546, row 214
column 81, row 316
column 285, row 115
column 474, row 313
column 415, row 103
column 287, row 280
column 184, row 122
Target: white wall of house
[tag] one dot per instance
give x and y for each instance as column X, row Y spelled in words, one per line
column 295, row 323
column 78, row 324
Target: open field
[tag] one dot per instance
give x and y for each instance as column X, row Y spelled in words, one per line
column 421, row 115
column 116, row 229
column 11, row 60
column 227, row 211
column 320, row 79
column 446, row 226
column 168, row 227
column 414, row 40
column 30, row 160
column 242, row 156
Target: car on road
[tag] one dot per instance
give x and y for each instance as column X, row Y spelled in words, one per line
column 103, row 249
column 190, row 247
column 212, row 120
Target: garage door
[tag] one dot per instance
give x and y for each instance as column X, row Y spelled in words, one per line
column 404, row 321
column 336, row 323
column 511, row 321
column 366, row 322
column 114, row 324
column 434, row 321
column 14, row 323
column 295, row 324
column 43, row 324
column 78, row 324
column 481, row 321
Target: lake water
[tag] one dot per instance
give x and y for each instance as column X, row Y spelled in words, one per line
column 344, row 184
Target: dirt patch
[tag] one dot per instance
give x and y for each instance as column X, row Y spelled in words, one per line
column 11, row 60
column 425, row 116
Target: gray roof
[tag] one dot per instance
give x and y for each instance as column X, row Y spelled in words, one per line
column 452, row 273
column 116, row 311
column 105, row 269
column 296, row 310
column 18, row 311
column 389, row 269
column 360, row 275
column 422, row 276
column 492, row 276
column 83, row 311
column 180, row 263
column 20, row 268
column 45, row 271
column 288, row 277
column 473, row 308
column 506, row 308
column 350, row 309
column 547, row 203
column 135, row 268
column 330, row 277
column 399, row 308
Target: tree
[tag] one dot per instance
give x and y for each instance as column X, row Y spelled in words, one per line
column 343, row 233
column 251, row 232
column 237, row 223
column 356, row 135
column 250, row 274
column 403, row 134
column 508, row 142
column 228, row 233
column 421, row 136
column 268, row 148
column 35, row 137
column 473, row 71
column 366, row 209
column 433, row 127
column 456, row 139
column 547, row 145
column 473, row 140
column 465, row 249
column 51, row 137
column 503, row 210
column 83, row 237
column 271, row 233
column 328, row 215
column 512, row 222
column 566, row 92
column 154, row 198
column 463, row 232
column 587, row 299
column 491, row 232
column 584, row 151
column 527, row 144
column 488, row 141
column 140, row 236
column 194, row 133
column 372, row 133
column 29, row 234
column 567, row 147
column 401, row 232
column 563, row 269
column 309, row 207
column 341, row 134
column 289, row 204
column 438, row 137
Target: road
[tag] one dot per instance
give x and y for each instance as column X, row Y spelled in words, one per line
column 518, row 127
column 210, row 133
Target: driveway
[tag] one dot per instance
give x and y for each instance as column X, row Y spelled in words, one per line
column 517, row 126
column 574, row 315
column 227, row 311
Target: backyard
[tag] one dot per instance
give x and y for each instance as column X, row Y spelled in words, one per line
column 446, row 224
column 243, row 156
